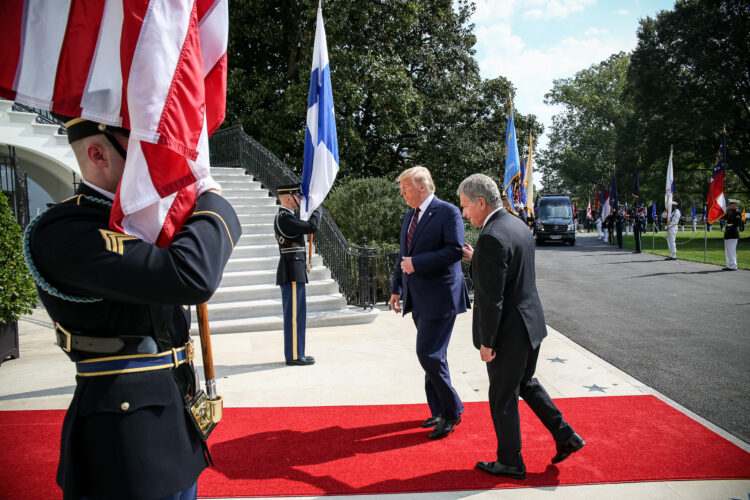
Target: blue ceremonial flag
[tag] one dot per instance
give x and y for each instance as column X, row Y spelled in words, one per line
column 613, row 192
column 693, row 213
column 522, row 184
column 653, row 211
column 321, row 161
column 636, row 184
column 512, row 161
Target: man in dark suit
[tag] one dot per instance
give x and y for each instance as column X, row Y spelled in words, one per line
column 508, row 326
column 291, row 274
column 428, row 278
column 119, row 308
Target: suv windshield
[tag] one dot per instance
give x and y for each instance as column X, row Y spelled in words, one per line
column 555, row 209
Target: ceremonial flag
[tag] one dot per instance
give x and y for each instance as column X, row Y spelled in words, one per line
column 522, row 184
column 588, row 210
column 321, row 160
column 613, row 191
column 605, row 204
column 669, row 189
column 512, row 161
column 636, row 186
column 693, row 212
column 717, row 204
column 157, row 68
column 575, row 208
column 743, row 214
column 528, row 179
column 596, row 199
column 653, row 212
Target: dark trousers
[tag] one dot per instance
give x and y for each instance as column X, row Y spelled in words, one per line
column 293, row 302
column 433, row 337
column 637, row 235
column 619, row 237
column 511, row 375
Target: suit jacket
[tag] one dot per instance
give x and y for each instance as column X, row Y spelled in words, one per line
column 506, row 302
column 146, row 448
column 290, row 234
column 436, row 289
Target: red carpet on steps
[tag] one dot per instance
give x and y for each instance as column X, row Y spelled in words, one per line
column 381, row 449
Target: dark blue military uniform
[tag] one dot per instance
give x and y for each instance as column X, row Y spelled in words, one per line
column 127, row 434
column 639, row 226
column 291, row 275
column 619, row 223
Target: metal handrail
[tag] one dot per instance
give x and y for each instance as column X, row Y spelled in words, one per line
column 353, row 267
column 42, row 116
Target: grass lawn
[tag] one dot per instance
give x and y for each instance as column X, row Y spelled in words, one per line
column 690, row 246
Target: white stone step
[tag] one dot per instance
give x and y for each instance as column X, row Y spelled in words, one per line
column 257, row 239
column 270, row 306
column 262, row 228
column 243, row 251
column 261, row 263
column 253, row 292
column 349, row 316
column 268, row 276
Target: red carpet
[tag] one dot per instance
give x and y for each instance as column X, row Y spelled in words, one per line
column 382, row 449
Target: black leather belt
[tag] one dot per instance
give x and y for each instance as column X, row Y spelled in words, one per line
column 102, row 345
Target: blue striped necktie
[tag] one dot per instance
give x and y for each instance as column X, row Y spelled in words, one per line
column 412, row 228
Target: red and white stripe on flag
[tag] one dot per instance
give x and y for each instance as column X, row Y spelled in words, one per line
column 156, row 67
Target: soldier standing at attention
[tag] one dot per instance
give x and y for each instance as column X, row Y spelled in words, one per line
column 732, row 221
column 119, row 306
column 639, row 226
column 619, row 223
column 672, row 231
column 291, row 274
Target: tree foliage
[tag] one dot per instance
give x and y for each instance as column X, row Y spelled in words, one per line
column 687, row 78
column 406, row 86
column 17, row 292
column 582, row 148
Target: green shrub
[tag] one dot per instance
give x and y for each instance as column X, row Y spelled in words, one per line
column 367, row 208
column 17, row 292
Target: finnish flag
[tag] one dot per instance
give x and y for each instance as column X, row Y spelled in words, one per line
column 321, row 161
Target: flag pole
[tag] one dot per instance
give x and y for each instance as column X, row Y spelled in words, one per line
column 215, row 406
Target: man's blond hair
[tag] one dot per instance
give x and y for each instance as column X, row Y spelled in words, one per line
column 419, row 176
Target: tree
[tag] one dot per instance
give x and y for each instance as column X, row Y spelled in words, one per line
column 689, row 76
column 582, row 148
column 406, row 86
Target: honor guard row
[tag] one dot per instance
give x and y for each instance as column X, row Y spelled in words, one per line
column 291, row 274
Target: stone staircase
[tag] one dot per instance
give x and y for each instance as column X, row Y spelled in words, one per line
column 248, row 298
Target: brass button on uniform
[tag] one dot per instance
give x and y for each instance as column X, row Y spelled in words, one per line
column 124, row 406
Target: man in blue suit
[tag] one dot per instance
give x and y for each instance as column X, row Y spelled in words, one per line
column 428, row 278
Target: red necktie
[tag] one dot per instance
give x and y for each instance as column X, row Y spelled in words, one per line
column 412, row 228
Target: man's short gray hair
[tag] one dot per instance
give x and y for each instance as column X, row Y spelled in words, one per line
column 478, row 186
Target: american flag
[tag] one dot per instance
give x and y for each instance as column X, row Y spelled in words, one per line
column 155, row 67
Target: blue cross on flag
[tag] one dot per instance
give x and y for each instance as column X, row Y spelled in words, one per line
column 321, row 161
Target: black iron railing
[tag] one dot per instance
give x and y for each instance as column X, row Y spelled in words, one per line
column 353, row 267
column 42, row 116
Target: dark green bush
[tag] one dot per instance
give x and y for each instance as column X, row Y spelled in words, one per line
column 367, row 208
column 17, row 292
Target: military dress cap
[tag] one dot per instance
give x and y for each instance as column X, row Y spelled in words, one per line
column 78, row 128
column 734, row 201
column 295, row 188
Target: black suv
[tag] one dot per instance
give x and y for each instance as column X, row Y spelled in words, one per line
column 554, row 219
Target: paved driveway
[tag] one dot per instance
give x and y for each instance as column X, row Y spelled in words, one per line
column 680, row 327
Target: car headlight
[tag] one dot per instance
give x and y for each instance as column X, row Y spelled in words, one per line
column 571, row 226
column 539, row 226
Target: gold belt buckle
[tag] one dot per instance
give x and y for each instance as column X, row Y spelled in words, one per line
column 68, row 337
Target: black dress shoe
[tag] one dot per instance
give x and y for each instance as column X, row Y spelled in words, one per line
column 568, row 447
column 444, row 427
column 303, row 361
column 498, row 469
column 728, row 269
column 431, row 422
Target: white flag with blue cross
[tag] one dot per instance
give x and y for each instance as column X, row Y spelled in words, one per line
column 321, row 161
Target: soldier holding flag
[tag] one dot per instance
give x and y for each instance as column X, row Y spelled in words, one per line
column 146, row 235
